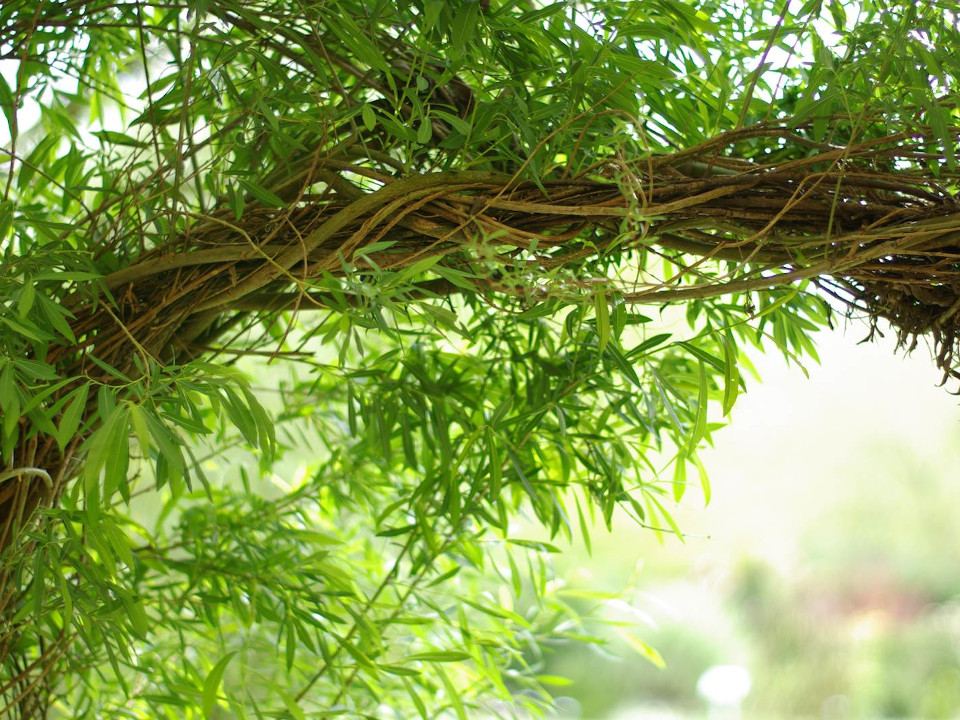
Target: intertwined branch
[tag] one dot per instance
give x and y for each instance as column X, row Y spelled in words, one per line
column 885, row 240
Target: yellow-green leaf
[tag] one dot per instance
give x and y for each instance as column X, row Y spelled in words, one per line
column 211, row 686
column 644, row 649
column 603, row 318
column 700, row 424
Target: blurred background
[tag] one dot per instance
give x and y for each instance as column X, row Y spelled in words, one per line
column 823, row 579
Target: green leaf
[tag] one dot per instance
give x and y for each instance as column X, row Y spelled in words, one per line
column 34, row 369
column 624, row 365
column 290, row 644
column 538, row 545
column 554, row 680
column 778, row 303
column 25, row 301
column 236, row 201
column 459, row 124
column 398, row 670
column 265, row 196
column 644, row 650
column 72, row 413
column 67, row 597
column 648, row 344
column 417, row 702
column 106, row 450
column 57, row 316
column 731, row 374
column 374, row 248
column 704, row 479
column 603, row 318
column 369, row 117
column 700, row 423
column 7, row 208
column 424, row 132
column 703, row 355
column 361, row 43
column 439, row 656
column 679, row 477
column 118, row 138
column 7, row 105
column 211, row 686
column 453, row 695
column 418, row 268
column 26, row 329
column 140, row 427
column 118, row 459
column 137, row 616
column 170, row 461
column 464, row 27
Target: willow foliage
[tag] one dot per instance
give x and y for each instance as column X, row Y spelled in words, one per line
column 305, row 304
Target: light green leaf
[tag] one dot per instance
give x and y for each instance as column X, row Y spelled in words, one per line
column 700, row 424
column 603, row 318
column 731, row 374
column 679, row 477
column 453, row 695
column 211, row 686
column 644, row 650
column 439, row 656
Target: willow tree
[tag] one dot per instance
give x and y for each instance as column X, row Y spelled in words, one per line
column 305, row 302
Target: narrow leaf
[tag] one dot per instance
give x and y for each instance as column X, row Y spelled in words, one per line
column 211, row 685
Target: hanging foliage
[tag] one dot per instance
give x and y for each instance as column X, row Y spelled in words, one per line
column 306, row 304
